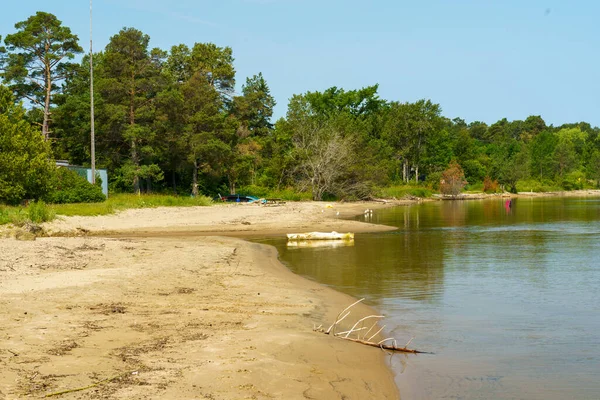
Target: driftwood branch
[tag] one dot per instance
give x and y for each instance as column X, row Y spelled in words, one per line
column 376, row 333
column 358, row 329
column 384, row 201
column 362, row 320
column 338, row 319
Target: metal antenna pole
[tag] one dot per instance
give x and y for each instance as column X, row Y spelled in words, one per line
column 93, row 141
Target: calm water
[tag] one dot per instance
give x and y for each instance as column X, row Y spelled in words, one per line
column 508, row 300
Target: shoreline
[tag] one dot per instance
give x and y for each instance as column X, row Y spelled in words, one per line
column 481, row 196
column 224, row 306
column 168, row 304
column 229, row 219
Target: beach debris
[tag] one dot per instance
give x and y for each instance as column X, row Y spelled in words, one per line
column 13, row 353
column 319, row 243
column 320, row 236
column 357, row 332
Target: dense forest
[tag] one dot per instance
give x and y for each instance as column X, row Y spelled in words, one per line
column 172, row 121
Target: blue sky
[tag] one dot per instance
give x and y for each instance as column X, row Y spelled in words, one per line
column 479, row 59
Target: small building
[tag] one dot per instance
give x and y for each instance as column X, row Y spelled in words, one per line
column 87, row 173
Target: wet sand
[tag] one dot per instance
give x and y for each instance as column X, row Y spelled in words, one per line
column 167, row 317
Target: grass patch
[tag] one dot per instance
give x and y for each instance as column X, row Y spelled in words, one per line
column 118, row 202
column 476, row 187
column 40, row 212
column 4, row 215
column 13, row 215
column 532, row 185
column 83, row 209
column 402, row 191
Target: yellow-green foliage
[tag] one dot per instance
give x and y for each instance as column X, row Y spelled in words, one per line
column 5, row 215
column 25, row 166
column 401, row 191
column 534, row 185
column 122, row 201
column 83, row 209
column 13, row 215
column 118, row 202
column 40, row 212
column 476, row 187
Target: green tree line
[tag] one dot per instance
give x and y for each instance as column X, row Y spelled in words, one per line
column 171, row 120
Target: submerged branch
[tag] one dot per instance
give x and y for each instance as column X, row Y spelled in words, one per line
column 345, row 335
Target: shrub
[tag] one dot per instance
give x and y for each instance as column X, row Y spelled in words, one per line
column 489, row 185
column 35, row 212
column 25, row 162
column 453, row 180
column 38, row 212
column 73, row 188
column 18, row 216
column 433, row 180
column 574, row 181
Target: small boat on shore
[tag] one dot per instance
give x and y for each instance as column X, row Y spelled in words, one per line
column 320, row 236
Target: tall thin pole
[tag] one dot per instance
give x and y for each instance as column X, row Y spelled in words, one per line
column 93, row 144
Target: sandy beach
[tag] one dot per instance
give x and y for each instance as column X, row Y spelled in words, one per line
column 161, row 304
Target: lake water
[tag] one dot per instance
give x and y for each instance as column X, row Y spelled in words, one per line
column 507, row 299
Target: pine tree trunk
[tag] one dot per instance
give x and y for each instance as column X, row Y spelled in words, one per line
column 134, row 154
column 173, row 181
column 45, row 132
column 46, row 123
column 134, row 159
column 195, row 179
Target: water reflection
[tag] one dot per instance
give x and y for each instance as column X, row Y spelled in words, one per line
column 506, row 300
column 381, row 265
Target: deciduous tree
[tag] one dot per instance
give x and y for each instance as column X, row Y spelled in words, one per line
column 323, row 157
column 541, row 154
column 408, row 129
column 26, row 167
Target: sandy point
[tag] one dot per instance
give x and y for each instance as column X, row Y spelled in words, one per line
column 150, row 313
